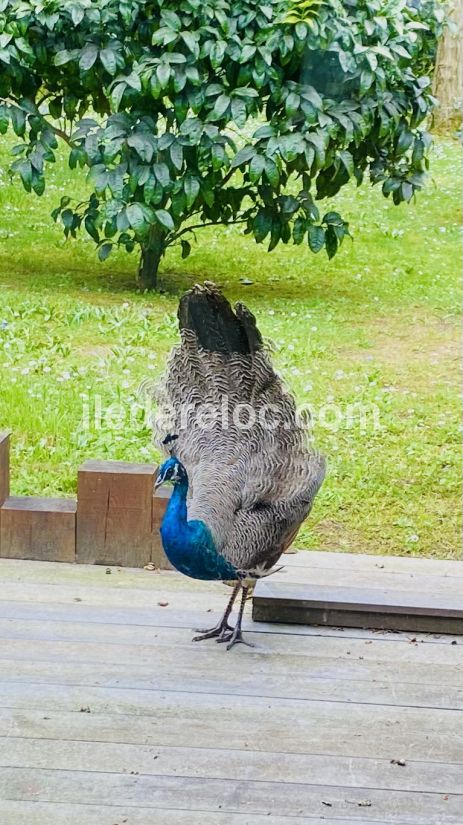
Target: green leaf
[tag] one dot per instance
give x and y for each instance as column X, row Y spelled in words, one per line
column 347, row 161
column 176, row 155
column 190, row 42
column 135, row 216
column 272, row 172
column 104, row 250
column 25, row 170
column 77, row 13
column 18, row 120
column 292, row 104
column 192, row 187
column 165, row 219
column 186, row 248
column 67, row 217
column 55, row 107
column 407, row 191
column 243, row 156
column 163, row 73
column 143, row 145
column 299, row 230
column 161, row 170
column 4, row 119
column 98, row 176
column 221, row 105
column 89, row 224
column 109, row 60
column 256, row 168
column 63, row 57
column 88, row 56
column 316, row 238
column 38, row 183
column 332, row 217
column 117, row 95
column 331, row 242
column 275, row 235
column 262, row 225
column 311, row 94
column 247, row 53
column 238, row 109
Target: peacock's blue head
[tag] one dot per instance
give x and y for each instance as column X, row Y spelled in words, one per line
column 171, row 470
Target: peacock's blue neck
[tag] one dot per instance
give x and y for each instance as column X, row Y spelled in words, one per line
column 178, row 502
column 189, row 545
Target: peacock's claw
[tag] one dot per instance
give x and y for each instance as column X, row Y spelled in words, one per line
column 216, row 632
column 235, row 638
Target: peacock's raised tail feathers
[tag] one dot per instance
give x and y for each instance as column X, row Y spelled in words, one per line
column 205, row 312
column 252, row 473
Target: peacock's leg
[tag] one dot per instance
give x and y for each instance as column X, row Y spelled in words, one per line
column 236, row 635
column 222, row 626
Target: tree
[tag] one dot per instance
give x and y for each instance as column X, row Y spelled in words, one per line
column 448, row 75
column 158, row 101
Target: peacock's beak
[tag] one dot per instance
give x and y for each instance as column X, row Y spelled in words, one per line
column 158, row 482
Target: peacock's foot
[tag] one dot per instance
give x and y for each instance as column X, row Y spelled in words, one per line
column 234, row 638
column 219, row 632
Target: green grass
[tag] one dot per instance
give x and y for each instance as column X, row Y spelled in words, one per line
column 379, row 325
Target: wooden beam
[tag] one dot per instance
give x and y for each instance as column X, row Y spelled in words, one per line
column 43, row 529
column 370, row 606
column 4, row 466
column 115, row 513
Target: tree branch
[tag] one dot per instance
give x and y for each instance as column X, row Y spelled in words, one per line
column 62, row 134
column 209, row 223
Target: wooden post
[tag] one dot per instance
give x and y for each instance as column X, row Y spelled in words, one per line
column 43, row 529
column 114, row 513
column 4, row 466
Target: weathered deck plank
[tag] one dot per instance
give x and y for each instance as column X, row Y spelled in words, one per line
column 49, row 813
column 291, row 800
column 148, row 760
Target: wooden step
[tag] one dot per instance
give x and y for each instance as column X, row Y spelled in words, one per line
column 418, row 602
column 42, row 529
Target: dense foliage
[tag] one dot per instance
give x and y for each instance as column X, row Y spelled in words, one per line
column 192, row 112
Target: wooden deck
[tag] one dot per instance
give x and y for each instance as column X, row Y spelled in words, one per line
column 109, row 715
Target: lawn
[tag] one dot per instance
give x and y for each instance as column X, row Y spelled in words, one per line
column 379, row 326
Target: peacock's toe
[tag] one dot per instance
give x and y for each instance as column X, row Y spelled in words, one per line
column 234, row 638
column 218, row 632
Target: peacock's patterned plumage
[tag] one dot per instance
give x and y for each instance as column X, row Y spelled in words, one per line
column 249, row 488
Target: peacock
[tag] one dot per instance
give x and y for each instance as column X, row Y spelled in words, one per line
column 244, row 477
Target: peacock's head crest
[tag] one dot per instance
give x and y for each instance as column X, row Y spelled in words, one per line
column 171, row 470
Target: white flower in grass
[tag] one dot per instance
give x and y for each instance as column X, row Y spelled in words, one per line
column 413, row 538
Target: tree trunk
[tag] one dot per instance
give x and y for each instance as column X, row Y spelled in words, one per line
column 448, row 74
column 150, row 259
